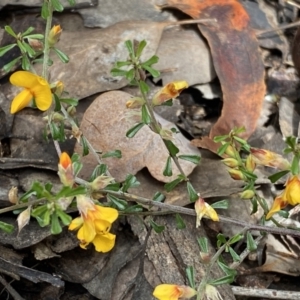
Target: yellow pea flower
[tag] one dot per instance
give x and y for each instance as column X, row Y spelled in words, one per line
column 269, row 159
column 204, row 209
column 290, row 195
column 173, row 292
column 94, row 224
column 170, row 91
column 35, row 87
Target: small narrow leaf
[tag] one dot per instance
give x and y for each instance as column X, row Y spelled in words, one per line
column 140, row 48
column 28, row 31
column 220, row 138
column 203, row 244
column 251, row 245
column 234, row 255
column 35, row 36
column 146, row 118
column 223, row 280
column 115, row 153
column 62, row 56
column 195, row 159
column 151, row 61
column 193, row 196
column 295, row 165
column 25, row 63
column 157, row 228
column 152, row 71
column 8, row 228
column 171, row 147
column 10, row 31
column 223, row 148
column 118, row 203
column 11, row 64
column 171, row 185
column 223, row 204
column 45, row 10
column 190, row 273
column 57, row 5
column 120, row 64
column 130, row 182
column 180, row 224
column 5, row 49
column 55, row 226
column 274, row 177
column 85, row 147
column 159, row 197
column 129, row 47
column 134, row 130
column 144, row 87
column 118, row 72
column 168, row 167
column 70, row 101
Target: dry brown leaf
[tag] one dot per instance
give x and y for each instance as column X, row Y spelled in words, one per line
column 93, row 54
column 237, row 62
column 105, row 125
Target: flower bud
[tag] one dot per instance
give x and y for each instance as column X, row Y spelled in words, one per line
column 230, row 162
column 101, row 182
column 65, row 170
column 135, row 102
column 247, row 194
column 54, row 35
column 13, row 195
column 236, row 174
column 230, row 151
column 250, row 163
column 166, row 134
column 170, row 91
column 58, row 88
column 36, row 45
column 24, row 218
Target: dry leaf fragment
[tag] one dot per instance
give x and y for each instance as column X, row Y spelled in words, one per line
column 105, row 125
column 237, row 62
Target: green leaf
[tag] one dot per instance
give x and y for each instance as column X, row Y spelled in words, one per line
column 146, row 118
column 77, row 166
column 223, row 280
column 85, row 147
column 223, row 204
column 72, row 2
column 274, row 177
column 45, row 10
column 144, row 87
column 28, row 31
column 239, row 140
column 226, row 269
column 171, row 147
column 168, row 167
column 70, row 101
column 54, row 129
column 25, row 63
column 118, row 72
column 10, row 31
column 190, row 274
column 152, row 71
column 65, row 219
column 62, row 56
column 57, row 5
column 151, row 61
column 140, row 48
column 112, row 187
column 120, row 64
column 195, row 159
column 157, row 228
column 223, row 148
column 129, row 75
column 295, row 165
column 55, row 226
column 35, row 36
column 130, row 182
column 118, row 203
column 8, row 228
column 234, row 255
column 115, row 153
column 129, row 47
column 254, row 205
column 180, row 224
column 5, row 49
column 11, row 64
column 21, row 46
column 159, row 197
column 283, row 213
column 57, row 103
column 193, row 196
column 251, row 245
column 203, row 244
column 67, row 191
column 291, row 141
column 171, row 185
column 44, row 219
column 220, row 138
column 134, row 209
column 134, row 130
column 235, row 239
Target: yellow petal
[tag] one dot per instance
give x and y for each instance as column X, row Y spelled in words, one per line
column 21, row 101
column 102, row 226
column 167, row 292
column 104, row 242
column 42, row 94
column 76, row 223
column 106, row 213
column 24, row 79
column 292, row 190
column 278, row 204
column 211, row 213
column 87, row 232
